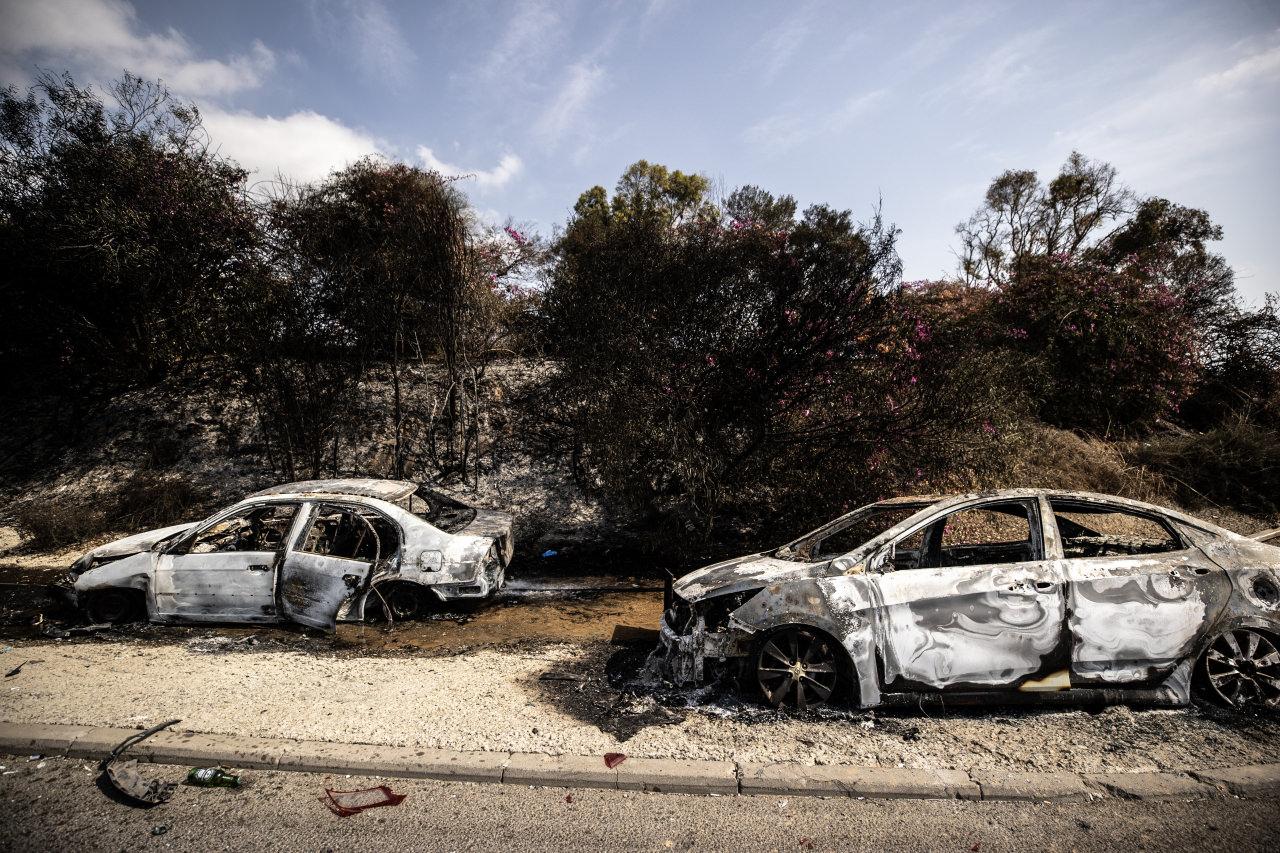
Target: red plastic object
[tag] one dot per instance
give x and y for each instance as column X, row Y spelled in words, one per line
column 613, row 759
column 347, row 803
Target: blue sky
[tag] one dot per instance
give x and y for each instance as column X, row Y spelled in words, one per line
column 920, row 104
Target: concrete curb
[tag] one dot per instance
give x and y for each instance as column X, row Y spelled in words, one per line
column 1256, row 781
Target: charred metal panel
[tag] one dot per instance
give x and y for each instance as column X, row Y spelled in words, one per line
column 1134, row 619
column 972, row 625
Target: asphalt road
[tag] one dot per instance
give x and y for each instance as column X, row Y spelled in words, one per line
column 57, row 807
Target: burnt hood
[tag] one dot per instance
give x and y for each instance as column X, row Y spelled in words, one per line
column 743, row 573
column 136, row 543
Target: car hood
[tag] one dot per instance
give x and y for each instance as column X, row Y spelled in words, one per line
column 742, row 573
column 137, row 542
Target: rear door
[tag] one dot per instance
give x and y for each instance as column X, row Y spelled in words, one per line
column 1140, row 595
column 329, row 563
column 979, row 607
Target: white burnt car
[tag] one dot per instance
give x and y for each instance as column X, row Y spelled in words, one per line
column 1025, row 590
column 313, row 552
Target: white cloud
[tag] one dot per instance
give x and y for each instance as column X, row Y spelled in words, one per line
column 1257, row 67
column 497, row 177
column 777, row 49
column 531, row 34
column 303, row 146
column 565, row 112
column 367, row 30
column 103, row 37
column 779, row 133
column 1178, row 125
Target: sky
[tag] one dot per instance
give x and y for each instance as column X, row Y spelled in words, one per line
column 914, row 105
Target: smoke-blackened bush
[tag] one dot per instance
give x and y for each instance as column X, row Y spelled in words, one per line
column 1236, row 464
column 740, row 364
column 1104, row 348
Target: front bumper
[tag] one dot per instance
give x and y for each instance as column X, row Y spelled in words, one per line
column 685, row 657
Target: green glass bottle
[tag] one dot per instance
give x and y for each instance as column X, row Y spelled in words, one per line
column 212, row 777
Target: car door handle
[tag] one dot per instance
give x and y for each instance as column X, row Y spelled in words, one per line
column 259, row 567
column 1045, row 586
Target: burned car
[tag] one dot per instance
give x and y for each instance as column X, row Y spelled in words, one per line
column 1020, row 591
column 313, row 553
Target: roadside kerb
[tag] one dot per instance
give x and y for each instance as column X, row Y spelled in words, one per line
column 640, row 774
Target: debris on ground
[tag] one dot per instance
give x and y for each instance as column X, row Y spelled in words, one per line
column 17, row 669
column 56, row 633
column 125, row 779
column 212, row 777
column 347, row 803
column 560, row 676
column 613, row 759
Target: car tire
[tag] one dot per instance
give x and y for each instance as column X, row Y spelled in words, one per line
column 112, row 607
column 799, row 667
column 1241, row 670
column 405, row 600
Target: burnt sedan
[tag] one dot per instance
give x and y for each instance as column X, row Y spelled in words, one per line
column 314, row 553
column 1015, row 591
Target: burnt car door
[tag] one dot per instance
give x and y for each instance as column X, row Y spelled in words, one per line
column 969, row 601
column 1140, row 594
column 332, row 561
column 224, row 571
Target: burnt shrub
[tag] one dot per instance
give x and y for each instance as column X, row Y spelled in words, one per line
column 733, row 370
column 1236, row 463
column 1103, row 349
column 141, row 501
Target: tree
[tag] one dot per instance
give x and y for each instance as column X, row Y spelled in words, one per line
column 120, row 232
column 734, row 362
column 381, row 262
column 1023, row 219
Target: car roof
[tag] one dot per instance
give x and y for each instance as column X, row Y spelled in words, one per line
column 945, row 501
column 391, row 491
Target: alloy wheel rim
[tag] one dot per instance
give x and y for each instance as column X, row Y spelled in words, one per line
column 1243, row 668
column 796, row 667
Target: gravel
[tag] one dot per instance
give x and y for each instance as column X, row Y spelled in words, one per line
column 554, row 698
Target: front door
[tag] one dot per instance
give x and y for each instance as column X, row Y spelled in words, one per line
column 330, row 564
column 979, row 607
column 1140, row 596
column 225, row 572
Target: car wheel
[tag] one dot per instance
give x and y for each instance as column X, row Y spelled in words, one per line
column 403, row 600
column 798, row 667
column 112, row 606
column 1241, row 668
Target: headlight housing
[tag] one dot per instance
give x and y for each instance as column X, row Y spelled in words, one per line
column 716, row 611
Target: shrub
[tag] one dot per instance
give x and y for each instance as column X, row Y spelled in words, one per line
column 1236, row 464
column 1104, row 349
column 721, row 368
column 143, row 500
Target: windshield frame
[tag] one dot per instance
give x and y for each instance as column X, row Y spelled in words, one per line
column 795, row 548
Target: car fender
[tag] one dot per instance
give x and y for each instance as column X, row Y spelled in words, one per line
column 841, row 607
column 132, row 572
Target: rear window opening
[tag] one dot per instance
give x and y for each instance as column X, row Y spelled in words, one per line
column 1089, row 530
column 440, row 511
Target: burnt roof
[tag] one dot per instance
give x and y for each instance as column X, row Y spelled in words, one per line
column 387, row 490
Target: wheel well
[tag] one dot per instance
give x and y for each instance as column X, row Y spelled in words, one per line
column 849, row 684
column 136, row 599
